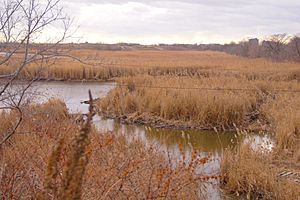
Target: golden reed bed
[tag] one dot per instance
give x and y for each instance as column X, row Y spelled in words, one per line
column 103, row 65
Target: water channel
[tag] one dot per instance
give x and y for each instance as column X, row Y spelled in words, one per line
column 73, row 93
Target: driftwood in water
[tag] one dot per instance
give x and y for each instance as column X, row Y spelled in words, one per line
column 88, row 101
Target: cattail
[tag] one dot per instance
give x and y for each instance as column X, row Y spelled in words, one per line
column 50, row 182
column 74, row 172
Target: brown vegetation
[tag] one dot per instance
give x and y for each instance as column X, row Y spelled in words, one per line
column 284, row 114
column 221, row 102
column 254, row 173
column 103, row 65
column 160, row 88
column 256, row 176
column 203, row 109
column 116, row 168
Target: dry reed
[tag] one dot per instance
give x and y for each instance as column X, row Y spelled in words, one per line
column 283, row 113
column 254, row 176
column 147, row 99
column 117, row 169
column 254, row 173
column 111, row 64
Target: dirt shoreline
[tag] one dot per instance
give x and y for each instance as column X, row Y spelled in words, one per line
column 160, row 123
column 62, row 80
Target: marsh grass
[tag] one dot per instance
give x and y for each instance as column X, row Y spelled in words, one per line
column 221, row 102
column 254, row 176
column 111, row 64
column 284, row 114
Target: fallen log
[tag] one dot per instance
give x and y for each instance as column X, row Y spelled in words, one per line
column 88, row 101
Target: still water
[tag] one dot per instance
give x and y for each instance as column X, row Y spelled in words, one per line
column 73, row 93
column 208, row 143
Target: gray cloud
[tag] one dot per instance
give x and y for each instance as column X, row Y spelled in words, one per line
column 186, row 21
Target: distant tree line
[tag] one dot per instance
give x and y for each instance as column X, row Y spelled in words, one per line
column 278, row 47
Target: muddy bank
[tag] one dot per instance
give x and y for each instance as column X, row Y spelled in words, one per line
column 160, row 123
column 42, row 79
column 110, row 80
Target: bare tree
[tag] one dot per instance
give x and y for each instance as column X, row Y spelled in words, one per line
column 22, row 24
column 295, row 47
column 275, row 46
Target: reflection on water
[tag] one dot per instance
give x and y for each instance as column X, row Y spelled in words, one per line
column 262, row 143
column 205, row 141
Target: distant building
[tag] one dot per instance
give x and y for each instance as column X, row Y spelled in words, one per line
column 253, row 42
column 253, row 48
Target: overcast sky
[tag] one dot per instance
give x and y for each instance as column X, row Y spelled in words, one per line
column 186, row 21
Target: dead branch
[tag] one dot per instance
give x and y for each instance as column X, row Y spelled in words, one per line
column 22, row 22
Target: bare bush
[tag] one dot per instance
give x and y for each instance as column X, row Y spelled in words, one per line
column 295, row 47
column 275, row 46
column 22, row 24
column 118, row 168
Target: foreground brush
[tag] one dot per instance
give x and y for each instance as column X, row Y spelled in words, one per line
column 75, row 168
